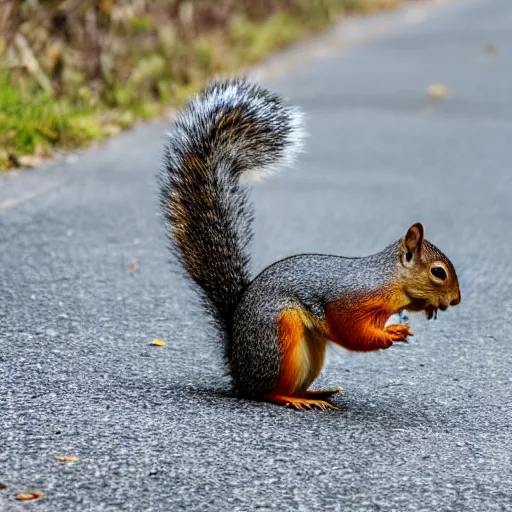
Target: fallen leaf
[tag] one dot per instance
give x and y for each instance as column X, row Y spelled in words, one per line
column 62, row 457
column 437, row 90
column 29, row 496
column 132, row 266
column 3, row 486
column 158, row 343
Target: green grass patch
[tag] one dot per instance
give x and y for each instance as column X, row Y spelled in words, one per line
column 35, row 124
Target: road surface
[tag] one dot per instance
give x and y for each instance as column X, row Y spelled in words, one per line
column 86, row 285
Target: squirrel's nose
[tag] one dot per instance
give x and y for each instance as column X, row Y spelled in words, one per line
column 456, row 301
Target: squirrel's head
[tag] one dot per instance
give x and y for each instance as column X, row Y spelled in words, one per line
column 429, row 278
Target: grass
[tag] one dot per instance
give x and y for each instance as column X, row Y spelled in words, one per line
column 34, row 124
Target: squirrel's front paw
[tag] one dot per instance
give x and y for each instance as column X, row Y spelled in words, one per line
column 398, row 332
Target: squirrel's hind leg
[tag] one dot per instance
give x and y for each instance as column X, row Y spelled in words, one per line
column 302, row 358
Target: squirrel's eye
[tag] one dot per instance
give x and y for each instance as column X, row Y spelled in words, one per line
column 439, row 272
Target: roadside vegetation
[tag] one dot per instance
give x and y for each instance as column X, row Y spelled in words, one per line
column 77, row 71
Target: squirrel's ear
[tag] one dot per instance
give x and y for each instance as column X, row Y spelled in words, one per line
column 414, row 237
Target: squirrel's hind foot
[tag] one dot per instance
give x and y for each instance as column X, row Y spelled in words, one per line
column 298, row 402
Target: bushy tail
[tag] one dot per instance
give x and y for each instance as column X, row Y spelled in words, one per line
column 230, row 129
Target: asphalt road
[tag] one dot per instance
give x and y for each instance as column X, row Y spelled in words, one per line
column 422, row 427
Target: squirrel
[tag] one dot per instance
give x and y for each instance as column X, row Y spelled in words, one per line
column 275, row 327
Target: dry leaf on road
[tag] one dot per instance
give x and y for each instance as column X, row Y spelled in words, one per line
column 437, row 90
column 29, row 496
column 62, row 457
